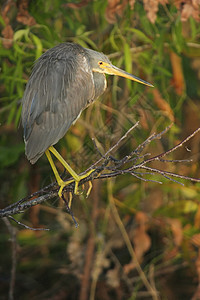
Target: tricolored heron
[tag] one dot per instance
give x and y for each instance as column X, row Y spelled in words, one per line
column 64, row 81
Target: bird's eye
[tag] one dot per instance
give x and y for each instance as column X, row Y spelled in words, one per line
column 100, row 63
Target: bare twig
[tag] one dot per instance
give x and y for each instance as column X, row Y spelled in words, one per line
column 12, row 231
column 26, row 226
column 89, row 255
column 107, row 166
column 151, row 289
column 115, row 145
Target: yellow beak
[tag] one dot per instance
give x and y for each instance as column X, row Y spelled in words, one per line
column 112, row 70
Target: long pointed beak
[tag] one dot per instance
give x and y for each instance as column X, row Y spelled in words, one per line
column 112, row 70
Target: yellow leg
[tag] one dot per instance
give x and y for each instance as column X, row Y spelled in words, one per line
column 64, row 163
column 62, row 183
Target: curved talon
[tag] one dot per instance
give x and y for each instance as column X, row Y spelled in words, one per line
column 60, row 191
column 89, row 189
column 63, row 184
column 76, row 187
column 70, row 200
column 79, row 178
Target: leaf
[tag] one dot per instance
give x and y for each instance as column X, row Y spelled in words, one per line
column 141, row 239
column 77, row 5
column 19, row 50
column 128, row 62
column 113, row 278
column 131, row 3
column 18, row 117
column 177, row 36
column 127, row 58
column 88, row 42
column 38, row 44
column 9, row 155
column 193, row 28
column 2, row 22
column 112, row 41
column 190, row 9
column 141, row 35
column 164, row 71
column 23, row 15
column 177, row 230
column 19, row 34
column 114, row 8
column 190, row 206
column 178, row 77
column 162, row 104
column 7, row 33
column 197, row 218
column 188, row 192
column 151, row 8
column 195, row 239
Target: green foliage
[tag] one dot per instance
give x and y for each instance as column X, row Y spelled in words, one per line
column 10, row 155
column 144, row 49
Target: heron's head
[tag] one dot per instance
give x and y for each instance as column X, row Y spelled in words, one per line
column 101, row 64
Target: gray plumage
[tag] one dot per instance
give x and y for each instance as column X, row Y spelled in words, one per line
column 65, row 80
column 61, row 85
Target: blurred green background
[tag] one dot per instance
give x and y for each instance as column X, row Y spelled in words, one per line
column 126, row 222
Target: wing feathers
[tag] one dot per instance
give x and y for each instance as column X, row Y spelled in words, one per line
column 59, row 88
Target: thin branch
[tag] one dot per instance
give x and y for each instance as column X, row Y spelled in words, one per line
column 153, row 292
column 108, row 166
column 26, row 226
column 12, row 231
column 171, row 174
column 145, row 179
column 90, row 250
column 116, row 145
column 158, row 157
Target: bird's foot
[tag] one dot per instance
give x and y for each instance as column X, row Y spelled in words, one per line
column 62, row 185
column 76, row 180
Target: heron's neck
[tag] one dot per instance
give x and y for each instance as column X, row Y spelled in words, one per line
column 99, row 83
